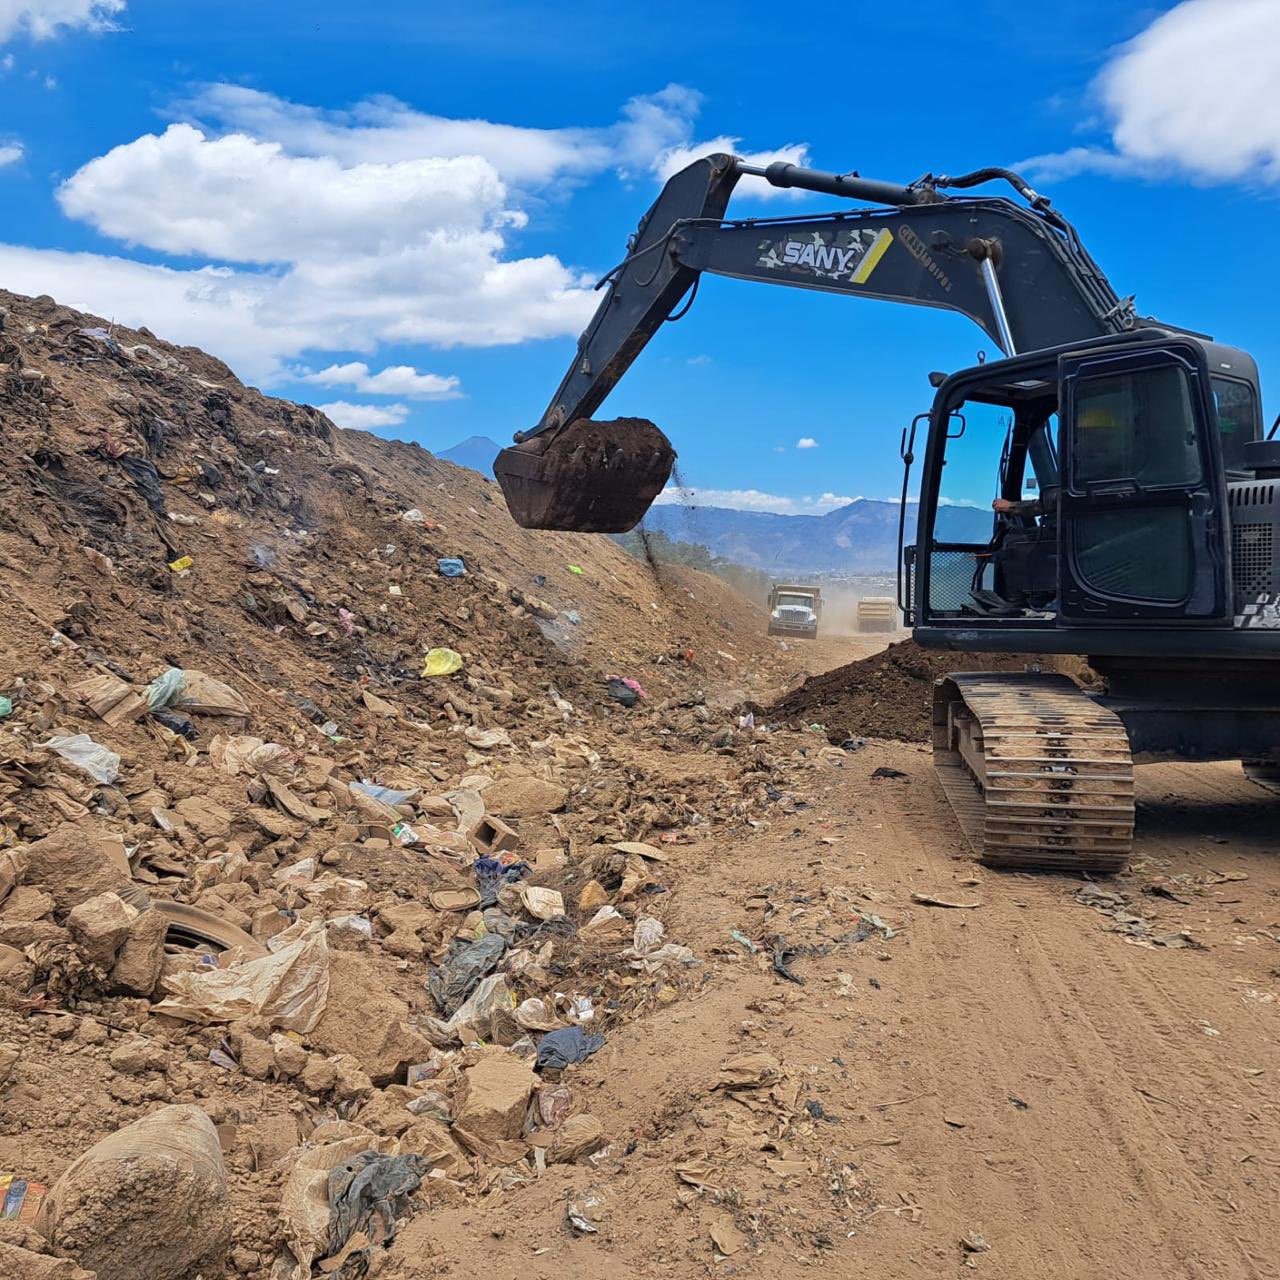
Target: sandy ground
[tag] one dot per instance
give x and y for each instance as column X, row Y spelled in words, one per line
column 1014, row 1074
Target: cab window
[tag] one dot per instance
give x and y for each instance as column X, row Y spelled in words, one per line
column 1237, row 419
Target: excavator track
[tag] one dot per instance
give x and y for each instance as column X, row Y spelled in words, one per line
column 1038, row 774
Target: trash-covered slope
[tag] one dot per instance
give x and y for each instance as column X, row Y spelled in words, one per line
column 304, row 829
column 308, row 559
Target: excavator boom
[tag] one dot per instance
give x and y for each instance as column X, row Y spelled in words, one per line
column 1018, row 271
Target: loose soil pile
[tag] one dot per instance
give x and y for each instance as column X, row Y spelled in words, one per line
column 888, row 695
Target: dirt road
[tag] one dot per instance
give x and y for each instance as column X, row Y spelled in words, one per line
column 1014, row 1075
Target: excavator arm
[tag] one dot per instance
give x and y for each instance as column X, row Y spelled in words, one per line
column 1017, row 270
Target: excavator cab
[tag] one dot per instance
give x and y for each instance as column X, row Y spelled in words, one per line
column 1111, row 489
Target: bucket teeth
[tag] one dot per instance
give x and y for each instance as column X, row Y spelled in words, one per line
column 592, row 477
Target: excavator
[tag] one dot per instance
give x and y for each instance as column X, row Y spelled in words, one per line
column 1136, row 502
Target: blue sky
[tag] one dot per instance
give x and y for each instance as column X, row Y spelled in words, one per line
column 397, row 211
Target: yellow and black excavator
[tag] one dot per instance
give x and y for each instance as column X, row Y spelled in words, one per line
column 1136, row 510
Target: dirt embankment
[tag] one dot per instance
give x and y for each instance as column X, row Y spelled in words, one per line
column 888, row 695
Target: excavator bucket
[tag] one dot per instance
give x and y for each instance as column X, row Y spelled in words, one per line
column 592, row 477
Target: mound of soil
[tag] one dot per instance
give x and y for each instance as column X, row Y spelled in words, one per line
column 888, row 695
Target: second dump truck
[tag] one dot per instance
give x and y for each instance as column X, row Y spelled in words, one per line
column 794, row 611
column 877, row 613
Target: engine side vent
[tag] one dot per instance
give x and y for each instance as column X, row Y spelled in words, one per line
column 1252, row 556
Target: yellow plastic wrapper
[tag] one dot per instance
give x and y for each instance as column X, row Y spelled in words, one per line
column 182, row 562
column 441, row 662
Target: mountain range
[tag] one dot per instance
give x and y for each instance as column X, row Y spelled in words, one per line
column 861, row 537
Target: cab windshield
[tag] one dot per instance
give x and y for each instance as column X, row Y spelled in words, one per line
column 803, row 602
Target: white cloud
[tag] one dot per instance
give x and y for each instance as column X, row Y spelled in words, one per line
column 697, row 361
column 382, row 130
column 396, row 380
column 44, row 19
column 340, row 230
column 806, row 442
column 218, row 309
column 242, row 200
column 1194, row 93
column 11, row 153
column 751, row 500
column 365, row 417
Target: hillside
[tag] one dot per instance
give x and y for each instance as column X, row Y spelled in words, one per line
column 861, row 537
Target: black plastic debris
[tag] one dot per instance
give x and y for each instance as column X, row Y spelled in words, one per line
column 621, row 693
column 462, row 969
column 367, row 1194
column 560, row 1049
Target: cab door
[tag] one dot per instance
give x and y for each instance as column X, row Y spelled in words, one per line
column 1143, row 503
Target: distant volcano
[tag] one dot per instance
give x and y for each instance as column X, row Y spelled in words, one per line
column 476, row 452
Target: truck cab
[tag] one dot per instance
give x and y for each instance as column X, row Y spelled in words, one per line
column 794, row 611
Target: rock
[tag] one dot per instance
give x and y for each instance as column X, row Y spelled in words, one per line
column 25, row 1264
column 91, row 1031
column 319, row 1075
column 410, row 916
column 100, row 927
column 579, row 1136
column 73, row 864
column 363, row 1019
column 207, row 818
column 350, row 1080
column 406, row 944
column 386, row 1113
column 431, row 1139
column 136, row 1056
column 141, row 959
column 148, row 1202
column 491, row 1103
column 26, row 903
column 290, row 1058
column 257, row 1058
column 524, row 797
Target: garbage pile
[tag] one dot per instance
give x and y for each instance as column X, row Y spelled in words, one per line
column 325, row 861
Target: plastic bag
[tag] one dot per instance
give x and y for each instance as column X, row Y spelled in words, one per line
column 451, row 566
column 244, row 754
column 305, row 1205
column 388, row 795
column 441, row 662
column 163, row 691
column 80, row 750
column 289, row 988
column 461, row 970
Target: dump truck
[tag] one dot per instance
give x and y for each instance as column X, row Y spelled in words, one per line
column 794, row 611
column 877, row 613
